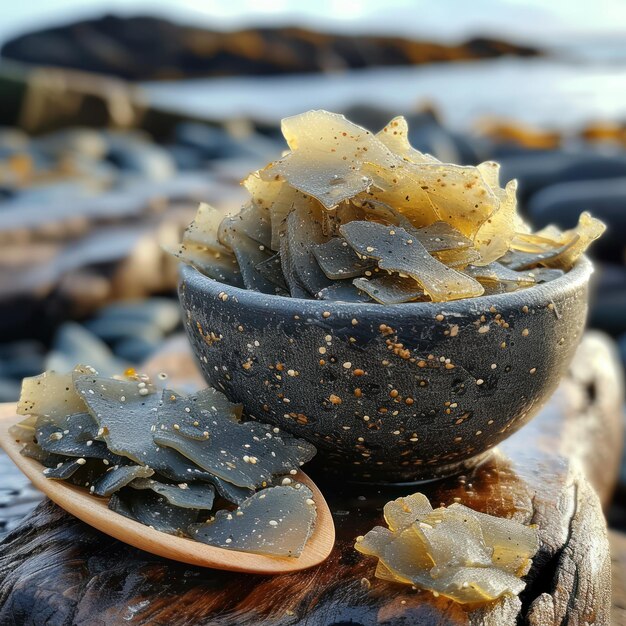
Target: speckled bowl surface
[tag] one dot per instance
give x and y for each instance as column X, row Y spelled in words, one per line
column 388, row 393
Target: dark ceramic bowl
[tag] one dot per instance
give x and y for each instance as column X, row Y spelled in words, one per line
column 388, row 393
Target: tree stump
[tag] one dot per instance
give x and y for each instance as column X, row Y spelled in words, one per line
column 55, row 570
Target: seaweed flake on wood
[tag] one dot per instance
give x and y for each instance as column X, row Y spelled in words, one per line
column 90, row 578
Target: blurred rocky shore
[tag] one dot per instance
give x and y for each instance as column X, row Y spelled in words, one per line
column 148, row 48
column 94, row 184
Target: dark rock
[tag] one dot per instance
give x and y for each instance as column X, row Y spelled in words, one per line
column 147, row 160
column 19, row 359
column 538, row 169
column 159, row 314
column 74, row 344
column 9, row 390
column 145, row 48
column 86, row 142
column 136, row 349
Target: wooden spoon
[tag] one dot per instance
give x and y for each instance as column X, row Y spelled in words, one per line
column 94, row 511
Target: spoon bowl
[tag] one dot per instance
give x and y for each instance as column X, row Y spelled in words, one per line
column 388, row 393
column 94, row 511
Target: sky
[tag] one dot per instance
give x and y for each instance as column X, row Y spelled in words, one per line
column 445, row 20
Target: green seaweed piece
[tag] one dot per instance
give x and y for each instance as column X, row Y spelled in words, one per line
column 276, row 521
column 390, row 288
column 343, row 291
column 247, row 454
column 194, row 496
column 119, row 476
column 192, row 415
column 398, row 251
column 272, row 270
column 440, row 236
column 63, row 440
column 128, row 420
column 304, row 232
column 497, row 273
column 151, row 509
column 249, row 254
column 339, row 261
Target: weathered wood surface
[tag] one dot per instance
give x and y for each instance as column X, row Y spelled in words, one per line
column 55, row 570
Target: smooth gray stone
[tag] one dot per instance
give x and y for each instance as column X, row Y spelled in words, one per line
column 149, row 161
column 212, row 142
column 161, row 314
column 538, row 169
column 9, row 390
column 136, row 349
column 74, row 344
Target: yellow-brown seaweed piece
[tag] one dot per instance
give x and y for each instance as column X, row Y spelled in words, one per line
column 465, row 555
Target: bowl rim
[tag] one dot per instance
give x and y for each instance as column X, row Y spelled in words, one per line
column 577, row 276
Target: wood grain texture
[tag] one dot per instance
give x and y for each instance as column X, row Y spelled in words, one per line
column 55, row 570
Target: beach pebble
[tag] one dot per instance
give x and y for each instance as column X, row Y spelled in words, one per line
column 73, row 344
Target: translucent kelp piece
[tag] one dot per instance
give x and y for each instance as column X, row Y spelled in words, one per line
column 128, row 419
column 390, row 288
column 271, row 269
column 296, row 288
column 458, row 259
column 187, row 496
column 375, row 542
column 513, row 543
column 534, row 243
column 83, row 426
column 276, row 521
column 230, row 492
column 153, row 510
column 326, row 154
column 518, row 261
column 338, row 260
column 63, row 471
column 545, row 275
column 253, row 220
column 443, row 534
column 498, row 273
column 441, row 236
column 64, row 440
column 468, row 585
column 119, row 476
column 51, row 394
column 80, row 472
column 398, row 251
column 24, row 430
column 403, row 553
column 220, row 266
column 343, row 291
column 586, row 232
column 246, row 454
column 403, row 512
column 493, row 238
column 462, row 554
column 373, row 210
column 395, row 135
column 200, row 247
column 36, row 452
column 204, row 228
column 193, row 415
column 304, row 232
column 249, row 254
